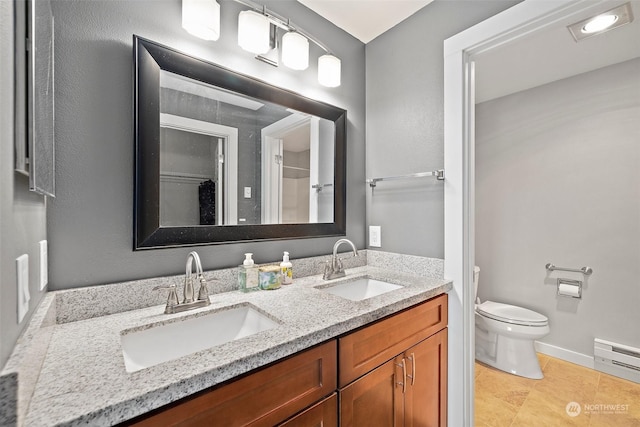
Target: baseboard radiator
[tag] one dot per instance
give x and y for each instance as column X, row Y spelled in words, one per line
column 617, row 359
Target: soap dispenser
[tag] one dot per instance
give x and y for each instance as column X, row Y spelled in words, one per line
column 286, row 269
column 248, row 274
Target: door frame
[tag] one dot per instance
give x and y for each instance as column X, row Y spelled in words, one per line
column 230, row 137
column 271, row 137
column 508, row 26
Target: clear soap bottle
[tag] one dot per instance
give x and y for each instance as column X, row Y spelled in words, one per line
column 286, row 269
column 248, row 275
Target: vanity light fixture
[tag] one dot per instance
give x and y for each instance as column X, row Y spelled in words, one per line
column 258, row 34
column 201, row 18
column 601, row 23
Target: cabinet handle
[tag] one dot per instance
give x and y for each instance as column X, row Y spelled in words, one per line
column 403, row 365
column 413, row 368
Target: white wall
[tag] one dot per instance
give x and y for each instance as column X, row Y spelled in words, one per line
column 558, row 180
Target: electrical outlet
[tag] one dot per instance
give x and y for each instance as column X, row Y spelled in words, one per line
column 247, row 192
column 44, row 269
column 375, row 236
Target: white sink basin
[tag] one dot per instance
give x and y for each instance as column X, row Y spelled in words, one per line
column 168, row 341
column 361, row 289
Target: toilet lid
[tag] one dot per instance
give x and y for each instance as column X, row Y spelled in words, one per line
column 511, row 314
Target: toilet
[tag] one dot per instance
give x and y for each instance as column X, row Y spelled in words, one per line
column 505, row 335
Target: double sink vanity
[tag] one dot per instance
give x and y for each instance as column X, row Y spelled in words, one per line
column 327, row 352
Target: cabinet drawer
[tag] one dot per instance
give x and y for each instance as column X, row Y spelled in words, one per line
column 263, row 398
column 371, row 346
column 322, row 414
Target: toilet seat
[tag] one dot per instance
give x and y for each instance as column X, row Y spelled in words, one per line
column 511, row 314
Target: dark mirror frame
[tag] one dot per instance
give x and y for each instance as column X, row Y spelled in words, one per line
column 150, row 58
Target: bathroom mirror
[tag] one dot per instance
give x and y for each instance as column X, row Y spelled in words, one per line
column 224, row 157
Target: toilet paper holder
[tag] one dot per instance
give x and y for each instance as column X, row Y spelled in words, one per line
column 570, row 288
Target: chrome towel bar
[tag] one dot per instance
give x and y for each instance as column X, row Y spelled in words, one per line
column 319, row 187
column 439, row 174
column 584, row 270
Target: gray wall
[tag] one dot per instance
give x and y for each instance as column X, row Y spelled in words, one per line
column 405, row 91
column 90, row 221
column 22, row 213
column 558, row 180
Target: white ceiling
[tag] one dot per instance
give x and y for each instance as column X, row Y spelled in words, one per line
column 365, row 19
column 552, row 54
column 537, row 59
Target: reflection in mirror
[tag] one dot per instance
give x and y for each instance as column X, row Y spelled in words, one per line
column 208, row 135
column 224, row 157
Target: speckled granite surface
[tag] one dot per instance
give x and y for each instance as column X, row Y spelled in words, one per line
column 74, row 371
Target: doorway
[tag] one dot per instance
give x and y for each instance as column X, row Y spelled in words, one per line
column 290, row 164
column 512, row 25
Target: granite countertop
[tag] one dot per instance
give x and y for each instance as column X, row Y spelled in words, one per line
column 83, row 381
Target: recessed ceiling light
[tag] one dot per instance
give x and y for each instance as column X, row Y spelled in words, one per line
column 601, row 23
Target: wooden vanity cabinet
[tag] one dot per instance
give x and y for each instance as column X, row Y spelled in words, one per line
column 390, row 373
column 394, row 372
column 266, row 397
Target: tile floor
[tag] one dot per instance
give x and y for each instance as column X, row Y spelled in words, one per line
column 511, row 401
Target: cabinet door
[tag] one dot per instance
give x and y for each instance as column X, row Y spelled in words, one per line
column 323, row 414
column 426, row 396
column 374, row 400
column 264, row 398
column 369, row 347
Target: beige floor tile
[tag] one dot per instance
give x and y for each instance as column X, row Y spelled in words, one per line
column 567, row 382
column 491, row 411
column 543, row 359
column 479, row 368
column 507, row 400
column 540, row 409
column 509, row 388
column 622, row 398
column 613, row 420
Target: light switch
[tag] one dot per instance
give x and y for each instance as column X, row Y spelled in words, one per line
column 22, row 279
column 44, row 269
column 247, row 192
column 375, row 236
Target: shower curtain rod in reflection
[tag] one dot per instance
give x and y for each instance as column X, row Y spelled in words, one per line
column 439, row 174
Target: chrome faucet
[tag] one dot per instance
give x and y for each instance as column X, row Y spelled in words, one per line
column 188, row 303
column 334, row 269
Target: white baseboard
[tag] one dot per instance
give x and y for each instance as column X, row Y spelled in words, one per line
column 564, row 354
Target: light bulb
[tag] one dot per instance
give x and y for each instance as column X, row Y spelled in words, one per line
column 599, row 23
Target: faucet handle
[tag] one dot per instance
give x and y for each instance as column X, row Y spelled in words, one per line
column 327, row 270
column 203, row 293
column 172, row 299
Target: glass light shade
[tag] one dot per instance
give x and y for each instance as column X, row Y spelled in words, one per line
column 329, row 69
column 253, row 32
column 295, row 51
column 201, row 18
